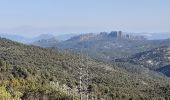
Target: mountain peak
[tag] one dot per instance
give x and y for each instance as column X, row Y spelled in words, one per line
column 105, row 36
column 117, row 34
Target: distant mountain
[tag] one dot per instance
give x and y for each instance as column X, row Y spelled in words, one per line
column 48, row 40
column 43, row 37
column 103, row 43
column 106, row 46
column 106, row 36
column 17, row 38
column 26, row 40
column 47, row 43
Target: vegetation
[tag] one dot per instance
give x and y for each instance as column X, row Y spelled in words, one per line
column 30, row 72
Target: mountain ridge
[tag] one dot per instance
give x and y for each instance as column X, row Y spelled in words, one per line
column 105, row 35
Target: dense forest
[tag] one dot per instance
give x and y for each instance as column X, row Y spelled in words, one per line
column 33, row 73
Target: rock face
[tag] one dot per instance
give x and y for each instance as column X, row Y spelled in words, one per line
column 113, row 34
column 105, row 36
column 117, row 34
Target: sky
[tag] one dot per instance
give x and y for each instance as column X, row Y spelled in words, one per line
column 32, row 17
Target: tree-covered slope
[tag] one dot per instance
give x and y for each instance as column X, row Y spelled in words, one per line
column 152, row 59
column 28, row 72
column 165, row 70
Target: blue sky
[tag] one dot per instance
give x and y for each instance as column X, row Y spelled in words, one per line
column 32, row 17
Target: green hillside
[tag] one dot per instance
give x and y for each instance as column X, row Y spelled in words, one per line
column 30, row 72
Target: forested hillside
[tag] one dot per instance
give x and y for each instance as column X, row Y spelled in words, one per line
column 157, row 59
column 30, row 72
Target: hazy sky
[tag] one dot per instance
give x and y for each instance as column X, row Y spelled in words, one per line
column 75, row 16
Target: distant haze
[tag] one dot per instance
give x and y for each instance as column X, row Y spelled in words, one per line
column 34, row 17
